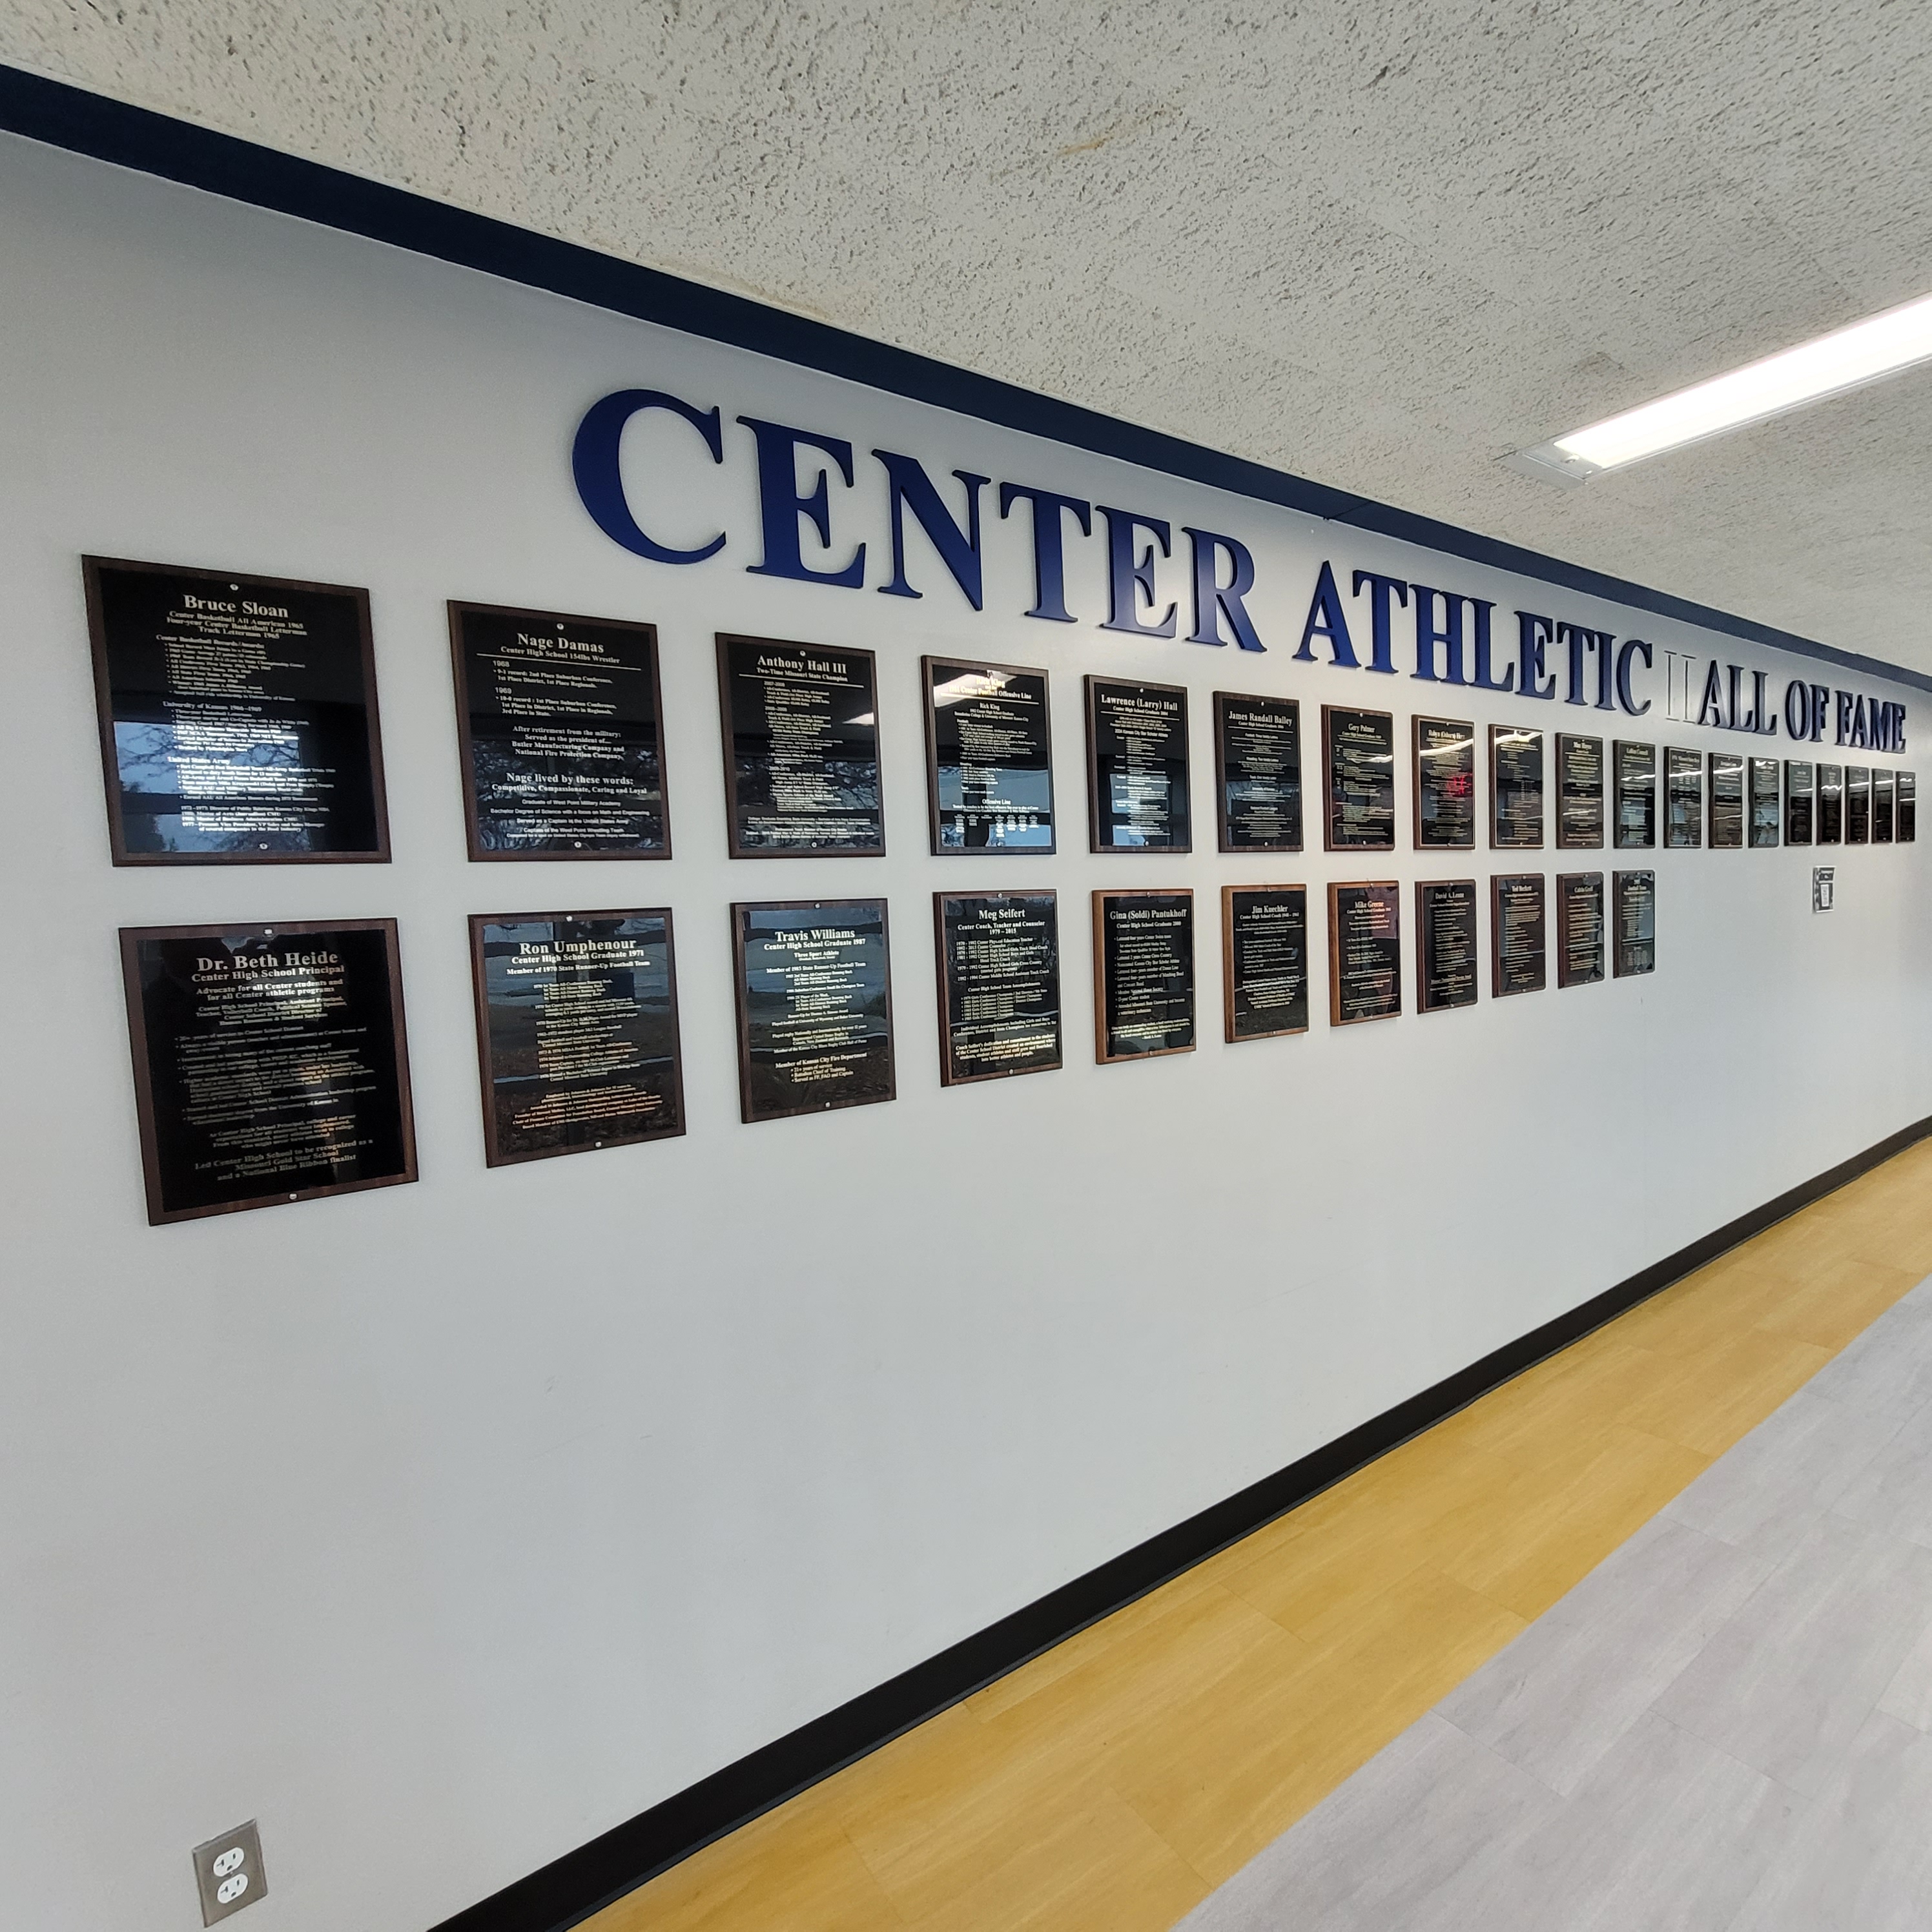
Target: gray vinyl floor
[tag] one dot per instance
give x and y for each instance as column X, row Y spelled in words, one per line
column 1726, row 1727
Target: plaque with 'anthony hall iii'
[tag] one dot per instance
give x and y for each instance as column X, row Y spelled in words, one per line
column 1263, row 961
column 999, row 984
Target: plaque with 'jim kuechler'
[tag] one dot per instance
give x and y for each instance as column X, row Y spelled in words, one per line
column 563, row 740
column 1445, row 784
column 1364, row 952
column 270, row 1064
column 1137, row 767
column 1518, row 947
column 999, row 985
column 238, row 717
column 1446, row 952
column 988, row 757
column 1143, row 975
column 1358, row 779
column 801, row 750
column 1633, row 916
column 577, row 1031
column 1579, row 928
column 1264, row 961
column 1257, row 772
column 1516, row 787
column 814, row 994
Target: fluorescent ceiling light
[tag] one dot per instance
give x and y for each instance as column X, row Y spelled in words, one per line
column 1880, row 345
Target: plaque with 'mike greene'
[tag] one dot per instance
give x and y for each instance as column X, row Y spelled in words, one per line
column 1516, row 788
column 1633, row 914
column 1762, row 803
column 1908, row 808
column 801, row 750
column 1137, row 767
column 814, row 995
column 1143, row 975
column 1579, row 928
column 1518, row 947
column 1579, row 792
column 1727, row 802
column 1683, row 798
column 1858, row 805
column 1798, row 781
column 1445, row 784
column 988, row 757
column 238, row 717
column 1636, row 781
column 1883, row 807
column 1257, row 772
column 1446, row 944
column 1358, row 779
column 269, row 1062
column 563, row 740
column 1831, row 804
column 1364, row 952
column 577, row 1031
column 999, row 984
column 1263, row 961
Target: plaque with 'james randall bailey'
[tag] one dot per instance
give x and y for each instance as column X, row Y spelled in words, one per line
column 1257, row 772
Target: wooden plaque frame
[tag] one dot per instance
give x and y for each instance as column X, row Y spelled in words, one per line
column 1329, row 713
column 1498, row 991
column 1229, row 1037
column 1563, row 842
column 949, row 1076
column 1468, row 844
column 1665, row 842
column 1712, row 762
column 1567, row 885
column 1102, row 895
column 1335, row 887
column 1092, row 683
column 927, row 666
column 1423, row 1004
column 1220, row 715
column 1614, row 922
column 1498, row 843
column 1613, row 830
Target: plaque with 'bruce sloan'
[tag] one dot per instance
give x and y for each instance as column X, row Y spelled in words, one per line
column 999, row 984
column 270, row 1063
column 238, row 717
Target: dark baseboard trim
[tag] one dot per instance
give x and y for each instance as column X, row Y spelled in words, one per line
column 583, row 1882
column 86, row 123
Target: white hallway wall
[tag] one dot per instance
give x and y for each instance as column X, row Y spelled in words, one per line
column 444, row 1527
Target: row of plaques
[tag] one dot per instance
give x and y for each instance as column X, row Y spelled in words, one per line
column 271, row 1064
column 239, row 724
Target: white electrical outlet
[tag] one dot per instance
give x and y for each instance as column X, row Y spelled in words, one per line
column 228, row 1870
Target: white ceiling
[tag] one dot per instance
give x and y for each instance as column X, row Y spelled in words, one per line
column 1378, row 244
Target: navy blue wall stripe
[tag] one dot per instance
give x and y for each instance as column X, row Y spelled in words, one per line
column 157, row 144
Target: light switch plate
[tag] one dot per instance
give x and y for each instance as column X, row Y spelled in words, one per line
column 228, row 1870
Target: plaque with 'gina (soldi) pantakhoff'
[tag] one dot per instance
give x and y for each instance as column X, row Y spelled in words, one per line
column 988, row 757
column 1364, row 951
column 1635, row 767
column 270, row 1063
column 1579, row 928
column 1257, row 772
column 1446, row 944
column 1516, row 787
column 1264, row 961
column 1358, row 779
column 1518, row 929
column 1143, row 974
column 1137, row 773
column 1445, row 783
column 577, row 1031
column 814, row 996
column 1633, row 915
column 999, row 984
column 238, row 717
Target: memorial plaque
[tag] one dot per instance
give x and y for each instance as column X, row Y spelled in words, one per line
column 815, row 996
column 1683, row 798
column 1516, row 787
column 988, row 759
column 1799, row 782
column 1446, row 947
column 577, row 1031
column 1579, row 928
column 1143, row 975
column 238, row 717
column 1636, row 796
column 1831, row 804
column 1727, row 802
column 563, row 735
column 1257, row 772
column 1445, row 784
column 1137, row 767
column 1364, row 952
column 1263, row 961
column 999, row 984
column 1882, row 797
column 801, row 751
column 1579, row 792
column 1358, row 779
column 1766, row 808
column 1908, row 808
column 269, row 1062
column 1858, row 805
column 1518, row 948
column 1633, row 910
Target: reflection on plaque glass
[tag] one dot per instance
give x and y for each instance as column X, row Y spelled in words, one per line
column 1831, row 804
column 999, row 984
column 1143, row 975
column 1137, row 767
column 1858, row 805
column 1447, row 944
column 1516, row 787
column 1579, row 928
column 1635, row 767
column 1579, row 792
column 1882, row 807
column 801, row 749
column 1264, row 961
column 814, row 1006
column 1683, row 798
column 577, row 1014
column 1908, row 808
column 1799, row 782
column 1634, row 914
column 1727, row 801
column 1518, row 947
column 1765, row 806
column 1364, row 952
column 562, row 737
column 1257, row 772
column 989, row 770
column 1445, row 784
column 269, row 1062
column 1358, row 779
column 238, row 717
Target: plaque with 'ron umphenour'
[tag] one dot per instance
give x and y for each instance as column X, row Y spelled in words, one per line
column 1445, row 784
column 1257, row 772
column 1447, row 949
column 1518, row 940
column 270, row 1063
column 1635, row 769
column 999, row 984
column 1263, row 961
column 1137, row 767
column 1579, row 928
column 1516, row 787
column 988, row 757
column 1633, row 917
column 1143, row 975
column 1364, row 951
column 1358, row 779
